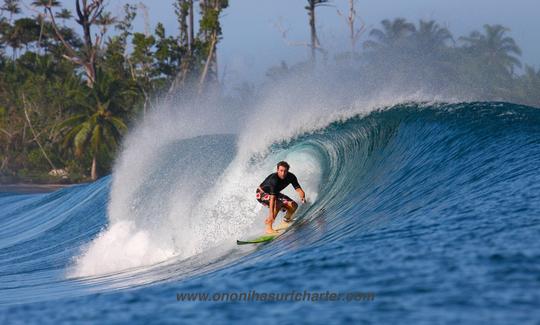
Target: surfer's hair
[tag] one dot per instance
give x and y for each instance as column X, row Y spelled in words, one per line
column 283, row 164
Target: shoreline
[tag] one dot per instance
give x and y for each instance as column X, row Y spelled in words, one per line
column 30, row 188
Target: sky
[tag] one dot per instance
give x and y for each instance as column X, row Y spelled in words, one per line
column 252, row 42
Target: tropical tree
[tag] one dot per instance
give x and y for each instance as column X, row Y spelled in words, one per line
column 10, row 37
column 4, row 27
column 311, row 6
column 488, row 62
column 529, row 86
column 88, row 14
column 64, row 14
column 54, row 45
column 209, row 36
column 115, row 59
column 11, row 6
column 494, row 47
column 105, row 19
column 168, row 54
column 392, row 33
column 430, row 36
column 354, row 32
column 97, row 132
column 25, row 31
column 144, row 70
column 44, row 4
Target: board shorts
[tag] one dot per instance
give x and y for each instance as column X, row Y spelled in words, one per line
column 264, row 199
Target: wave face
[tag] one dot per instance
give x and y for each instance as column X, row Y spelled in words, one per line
column 429, row 206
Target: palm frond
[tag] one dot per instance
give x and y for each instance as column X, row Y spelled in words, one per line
column 70, row 122
column 118, row 124
column 82, row 138
column 71, row 135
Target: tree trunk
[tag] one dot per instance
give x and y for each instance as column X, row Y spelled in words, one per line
column 182, row 17
column 311, row 14
column 352, row 14
column 208, row 62
column 87, row 14
column 191, row 28
column 42, row 21
column 93, row 172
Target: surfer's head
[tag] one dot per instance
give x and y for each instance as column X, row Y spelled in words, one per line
column 282, row 169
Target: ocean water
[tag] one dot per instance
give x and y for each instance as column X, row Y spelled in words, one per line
column 418, row 213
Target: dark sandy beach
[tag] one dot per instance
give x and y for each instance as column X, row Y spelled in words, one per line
column 28, row 188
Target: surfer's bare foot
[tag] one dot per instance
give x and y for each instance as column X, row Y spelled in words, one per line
column 270, row 231
column 285, row 224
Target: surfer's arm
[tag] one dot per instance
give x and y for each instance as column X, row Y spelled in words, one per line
column 298, row 189
column 302, row 194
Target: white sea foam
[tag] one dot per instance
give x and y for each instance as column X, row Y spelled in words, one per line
column 149, row 223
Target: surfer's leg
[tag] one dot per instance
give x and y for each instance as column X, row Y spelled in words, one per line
column 264, row 199
column 269, row 221
column 291, row 207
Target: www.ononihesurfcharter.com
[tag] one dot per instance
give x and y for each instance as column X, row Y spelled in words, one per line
column 253, row 295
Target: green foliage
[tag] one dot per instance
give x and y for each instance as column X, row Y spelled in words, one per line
column 114, row 61
column 168, row 54
column 209, row 21
column 142, row 49
column 64, row 14
column 36, row 160
column 181, row 10
column 101, row 127
column 45, row 3
column 11, row 6
column 26, row 31
column 495, row 47
column 76, row 123
column 125, row 25
column 483, row 63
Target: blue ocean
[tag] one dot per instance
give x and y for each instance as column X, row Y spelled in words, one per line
column 417, row 213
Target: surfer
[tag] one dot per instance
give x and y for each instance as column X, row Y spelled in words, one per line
column 268, row 194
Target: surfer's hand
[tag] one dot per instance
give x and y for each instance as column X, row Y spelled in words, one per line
column 303, row 200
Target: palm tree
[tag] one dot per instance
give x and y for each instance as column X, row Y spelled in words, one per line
column 532, row 76
column 494, row 47
column 101, row 127
column 106, row 19
column 26, row 31
column 392, row 33
column 12, row 38
column 45, row 3
column 41, row 17
column 530, row 86
column 11, row 6
column 430, row 36
column 69, row 35
column 64, row 14
column 4, row 27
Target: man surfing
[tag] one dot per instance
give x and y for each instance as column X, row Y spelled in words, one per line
column 268, row 194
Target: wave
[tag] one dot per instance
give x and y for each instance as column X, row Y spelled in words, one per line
column 179, row 198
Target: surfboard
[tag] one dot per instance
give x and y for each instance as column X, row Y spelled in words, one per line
column 266, row 237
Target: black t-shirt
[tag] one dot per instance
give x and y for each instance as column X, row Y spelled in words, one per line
column 273, row 184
